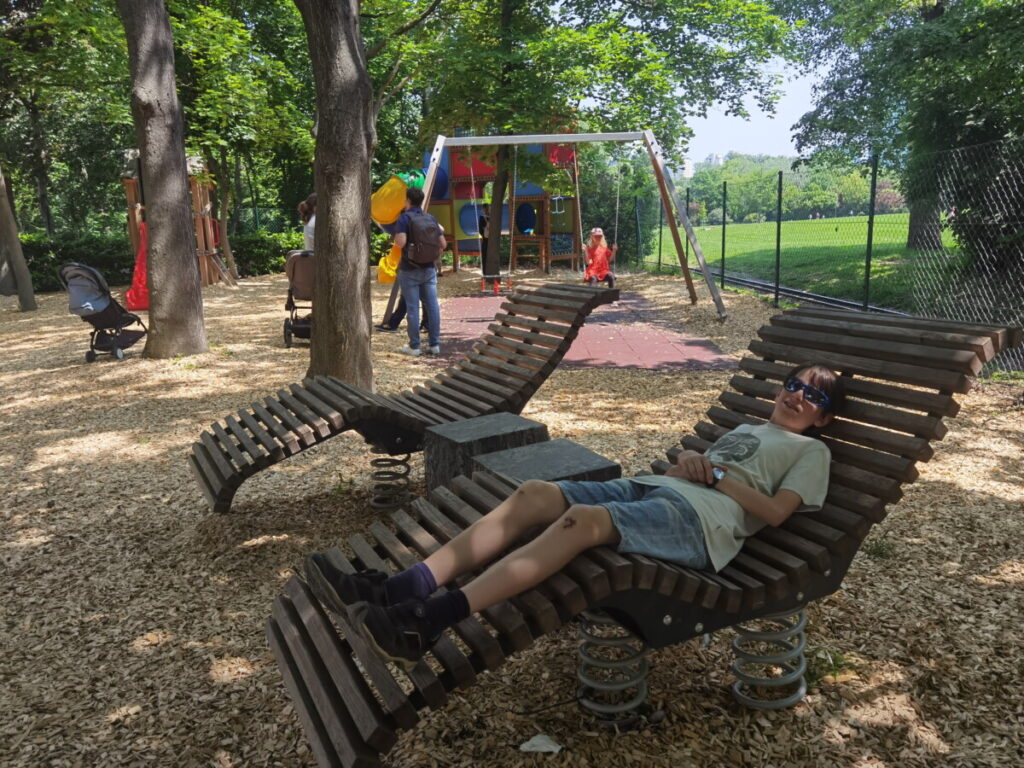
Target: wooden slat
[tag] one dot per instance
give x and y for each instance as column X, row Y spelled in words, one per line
column 455, row 396
column 259, row 456
column 444, row 650
column 287, row 437
column 319, row 426
column 301, row 429
column 394, row 698
column 927, row 427
column 997, row 334
column 919, row 400
column 933, row 358
column 538, row 339
column 815, row 556
column 754, row 592
column 527, row 310
column 273, row 447
column 499, row 368
column 244, row 463
column 312, row 726
column 338, row 667
column 324, row 410
column 469, row 377
column 445, row 379
column 980, row 345
column 206, row 485
column 538, row 326
column 217, row 458
column 832, row 539
column 944, row 381
column 774, row 580
column 510, row 353
column 795, row 568
column 422, row 676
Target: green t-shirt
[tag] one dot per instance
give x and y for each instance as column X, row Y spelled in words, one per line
column 765, row 457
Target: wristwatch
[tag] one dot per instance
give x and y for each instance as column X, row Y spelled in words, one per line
column 717, row 473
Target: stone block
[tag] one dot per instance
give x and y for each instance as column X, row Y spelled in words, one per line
column 552, row 460
column 449, row 448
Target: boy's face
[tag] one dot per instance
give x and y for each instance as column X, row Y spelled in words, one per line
column 793, row 412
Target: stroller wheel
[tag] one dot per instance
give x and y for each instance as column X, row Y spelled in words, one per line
column 90, row 356
column 118, row 353
column 288, row 333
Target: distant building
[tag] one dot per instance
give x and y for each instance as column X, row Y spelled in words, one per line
column 714, row 159
column 688, row 169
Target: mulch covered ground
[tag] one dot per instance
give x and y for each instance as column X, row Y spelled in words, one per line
column 132, row 629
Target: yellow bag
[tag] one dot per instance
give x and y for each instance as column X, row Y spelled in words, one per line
column 387, row 267
column 387, row 203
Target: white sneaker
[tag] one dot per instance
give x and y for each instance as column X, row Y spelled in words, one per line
column 410, row 351
column 434, row 350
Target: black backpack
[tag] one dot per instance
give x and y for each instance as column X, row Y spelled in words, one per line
column 424, row 239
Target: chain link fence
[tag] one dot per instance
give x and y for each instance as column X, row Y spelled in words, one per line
column 969, row 229
column 272, row 220
column 945, row 239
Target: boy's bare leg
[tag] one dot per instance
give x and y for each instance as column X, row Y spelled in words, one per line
column 580, row 527
column 535, row 502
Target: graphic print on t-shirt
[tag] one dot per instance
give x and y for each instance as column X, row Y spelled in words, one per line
column 735, row 447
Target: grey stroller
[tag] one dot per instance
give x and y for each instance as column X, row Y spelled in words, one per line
column 89, row 298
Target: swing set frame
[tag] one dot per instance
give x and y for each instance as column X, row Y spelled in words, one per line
column 677, row 217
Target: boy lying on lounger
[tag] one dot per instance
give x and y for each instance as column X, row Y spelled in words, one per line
column 696, row 515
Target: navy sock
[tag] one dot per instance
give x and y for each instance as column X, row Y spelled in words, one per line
column 445, row 610
column 417, row 581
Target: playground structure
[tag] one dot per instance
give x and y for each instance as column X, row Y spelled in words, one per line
column 207, row 229
column 440, row 161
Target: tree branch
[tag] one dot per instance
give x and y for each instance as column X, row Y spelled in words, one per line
column 402, row 30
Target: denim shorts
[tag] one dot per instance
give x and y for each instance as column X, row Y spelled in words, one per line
column 651, row 519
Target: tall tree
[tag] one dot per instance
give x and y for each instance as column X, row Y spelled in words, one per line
column 908, row 79
column 12, row 261
column 346, row 135
column 176, row 300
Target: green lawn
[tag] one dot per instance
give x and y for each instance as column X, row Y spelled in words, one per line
column 825, row 256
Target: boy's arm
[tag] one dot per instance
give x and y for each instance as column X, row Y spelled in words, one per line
column 774, row 510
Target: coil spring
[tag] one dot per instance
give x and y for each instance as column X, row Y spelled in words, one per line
column 782, row 648
column 612, row 671
column 390, row 481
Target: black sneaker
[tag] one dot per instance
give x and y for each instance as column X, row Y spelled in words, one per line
column 386, row 328
column 337, row 589
column 398, row 633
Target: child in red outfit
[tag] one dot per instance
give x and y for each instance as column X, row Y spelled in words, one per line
column 598, row 255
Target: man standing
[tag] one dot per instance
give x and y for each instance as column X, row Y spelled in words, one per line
column 421, row 239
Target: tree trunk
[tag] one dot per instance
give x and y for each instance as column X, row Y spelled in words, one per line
column 40, row 164
column 12, row 256
column 220, row 172
column 175, row 295
column 340, row 343
column 492, row 259
column 925, row 232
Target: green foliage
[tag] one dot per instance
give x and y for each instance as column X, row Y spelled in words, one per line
column 824, row 662
column 263, row 253
column 110, row 255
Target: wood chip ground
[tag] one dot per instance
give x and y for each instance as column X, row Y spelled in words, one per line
column 132, row 629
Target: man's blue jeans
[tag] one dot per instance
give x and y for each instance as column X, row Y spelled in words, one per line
column 420, row 285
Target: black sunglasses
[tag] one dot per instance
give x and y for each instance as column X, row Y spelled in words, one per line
column 812, row 395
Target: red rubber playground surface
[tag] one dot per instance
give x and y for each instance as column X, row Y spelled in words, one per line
column 627, row 334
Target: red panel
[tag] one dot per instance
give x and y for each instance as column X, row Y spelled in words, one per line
column 561, row 153
column 466, row 190
column 461, row 168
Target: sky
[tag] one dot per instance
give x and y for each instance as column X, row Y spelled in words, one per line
column 760, row 134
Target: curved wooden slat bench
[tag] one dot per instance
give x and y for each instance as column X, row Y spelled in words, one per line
column 902, row 373
column 524, row 344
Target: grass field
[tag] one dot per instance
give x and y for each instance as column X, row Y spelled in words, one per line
column 824, row 256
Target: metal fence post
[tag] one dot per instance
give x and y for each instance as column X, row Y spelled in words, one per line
column 778, row 239
column 871, row 230
column 725, row 200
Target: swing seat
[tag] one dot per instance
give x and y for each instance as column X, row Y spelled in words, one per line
column 902, row 373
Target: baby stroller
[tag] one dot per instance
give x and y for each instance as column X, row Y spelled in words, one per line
column 300, row 268
column 89, row 298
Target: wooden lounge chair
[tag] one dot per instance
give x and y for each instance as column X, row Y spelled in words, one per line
column 524, row 344
column 903, row 373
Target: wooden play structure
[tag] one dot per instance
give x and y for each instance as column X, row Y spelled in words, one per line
column 207, row 229
column 902, row 374
column 677, row 218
